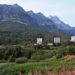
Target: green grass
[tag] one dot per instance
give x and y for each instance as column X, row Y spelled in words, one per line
column 52, row 64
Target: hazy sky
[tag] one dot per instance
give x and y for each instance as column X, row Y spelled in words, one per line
column 64, row 9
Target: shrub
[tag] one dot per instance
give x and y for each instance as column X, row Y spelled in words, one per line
column 43, row 54
column 3, row 61
column 21, row 60
column 62, row 52
column 72, row 50
column 11, row 59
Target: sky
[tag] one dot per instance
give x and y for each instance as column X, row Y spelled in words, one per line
column 64, row 9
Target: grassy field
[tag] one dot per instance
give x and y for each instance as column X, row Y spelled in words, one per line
column 52, row 64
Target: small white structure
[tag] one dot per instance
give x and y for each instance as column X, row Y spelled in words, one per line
column 50, row 44
column 39, row 41
column 35, row 44
column 56, row 40
column 72, row 39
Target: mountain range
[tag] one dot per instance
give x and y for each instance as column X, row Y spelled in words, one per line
column 15, row 18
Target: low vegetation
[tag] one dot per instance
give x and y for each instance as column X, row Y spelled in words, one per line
column 52, row 64
column 18, row 54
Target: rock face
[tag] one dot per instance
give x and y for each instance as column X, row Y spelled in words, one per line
column 42, row 20
column 63, row 27
column 59, row 23
column 15, row 14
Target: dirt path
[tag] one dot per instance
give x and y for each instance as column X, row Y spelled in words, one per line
column 68, row 72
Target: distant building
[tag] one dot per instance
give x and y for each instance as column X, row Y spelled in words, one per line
column 57, row 40
column 72, row 39
column 39, row 41
column 35, row 44
column 50, row 44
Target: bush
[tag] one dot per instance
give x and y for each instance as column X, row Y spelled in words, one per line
column 11, row 59
column 3, row 61
column 62, row 52
column 43, row 54
column 72, row 50
column 21, row 60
